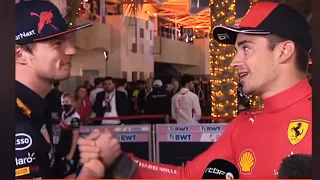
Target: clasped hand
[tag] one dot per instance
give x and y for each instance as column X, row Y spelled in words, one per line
column 99, row 150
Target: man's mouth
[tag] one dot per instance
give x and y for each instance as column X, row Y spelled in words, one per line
column 242, row 74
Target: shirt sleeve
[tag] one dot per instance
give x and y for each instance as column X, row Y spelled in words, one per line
column 27, row 159
column 197, row 108
column 75, row 123
column 222, row 149
column 173, row 112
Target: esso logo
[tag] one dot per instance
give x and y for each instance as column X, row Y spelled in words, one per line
column 23, row 141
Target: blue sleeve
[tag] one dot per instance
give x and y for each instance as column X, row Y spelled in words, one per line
column 31, row 160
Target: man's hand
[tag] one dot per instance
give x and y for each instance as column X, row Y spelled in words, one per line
column 99, row 144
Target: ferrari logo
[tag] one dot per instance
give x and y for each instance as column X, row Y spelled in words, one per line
column 297, row 130
column 247, row 161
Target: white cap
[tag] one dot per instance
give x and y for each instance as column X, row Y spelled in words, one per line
column 157, row 83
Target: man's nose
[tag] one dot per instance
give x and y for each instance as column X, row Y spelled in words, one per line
column 236, row 61
column 70, row 50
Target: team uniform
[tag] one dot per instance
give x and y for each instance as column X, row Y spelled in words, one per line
column 70, row 121
column 185, row 107
column 34, row 154
column 255, row 141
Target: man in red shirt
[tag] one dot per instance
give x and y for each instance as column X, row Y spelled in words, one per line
column 273, row 42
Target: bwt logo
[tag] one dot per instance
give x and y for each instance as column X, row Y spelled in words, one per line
column 179, row 128
column 127, row 137
column 210, row 128
column 180, row 137
column 228, row 175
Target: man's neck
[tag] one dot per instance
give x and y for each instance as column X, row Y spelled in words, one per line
column 42, row 88
column 111, row 92
column 283, row 84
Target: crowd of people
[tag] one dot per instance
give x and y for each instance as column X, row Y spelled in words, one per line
column 111, row 98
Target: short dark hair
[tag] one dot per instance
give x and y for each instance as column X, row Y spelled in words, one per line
column 122, row 82
column 97, row 81
column 186, row 78
column 140, row 82
column 109, row 78
column 27, row 47
column 76, row 97
column 302, row 56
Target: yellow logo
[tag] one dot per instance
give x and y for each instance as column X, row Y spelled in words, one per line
column 297, row 130
column 22, row 171
column 247, row 161
column 23, row 107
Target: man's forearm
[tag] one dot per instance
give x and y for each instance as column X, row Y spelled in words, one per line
column 87, row 173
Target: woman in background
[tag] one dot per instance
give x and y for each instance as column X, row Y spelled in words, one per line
column 82, row 104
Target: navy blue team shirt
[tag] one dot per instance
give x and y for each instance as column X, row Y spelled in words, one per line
column 34, row 153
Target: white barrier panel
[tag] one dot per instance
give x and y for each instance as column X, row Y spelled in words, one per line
column 195, row 138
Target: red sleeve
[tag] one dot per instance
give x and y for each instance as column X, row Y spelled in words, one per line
column 194, row 169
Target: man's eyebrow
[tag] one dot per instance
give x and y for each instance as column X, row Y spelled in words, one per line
column 240, row 43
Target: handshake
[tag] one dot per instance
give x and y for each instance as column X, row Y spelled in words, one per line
column 98, row 152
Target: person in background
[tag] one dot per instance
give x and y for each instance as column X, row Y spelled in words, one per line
column 185, row 104
column 176, row 86
column 53, row 99
column 98, row 88
column 67, row 149
column 158, row 102
column 122, row 86
column 88, row 86
column 143, row 94
column 110, row 103
column 82, row 103
column 139, row 86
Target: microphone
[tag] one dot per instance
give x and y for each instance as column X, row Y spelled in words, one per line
column 221, row 169
column 297, row 166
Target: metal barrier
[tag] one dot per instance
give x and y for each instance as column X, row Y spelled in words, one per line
column 161, row 142
column 175, row 144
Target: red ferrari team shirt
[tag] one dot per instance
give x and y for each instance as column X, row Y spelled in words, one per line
column 255, row 141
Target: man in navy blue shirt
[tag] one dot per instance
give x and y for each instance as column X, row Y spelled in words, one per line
column 43, row 56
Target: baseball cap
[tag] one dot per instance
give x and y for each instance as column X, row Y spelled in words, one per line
column 157, row 83
column 40, row 20
column 268, row 18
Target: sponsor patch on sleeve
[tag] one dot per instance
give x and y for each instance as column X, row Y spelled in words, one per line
column 22, row 171
column 22, row 141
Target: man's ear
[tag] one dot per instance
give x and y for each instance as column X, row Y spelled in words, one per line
column 286, row 50
column 21, row 55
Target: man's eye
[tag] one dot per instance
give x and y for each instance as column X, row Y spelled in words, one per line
column 245, row 48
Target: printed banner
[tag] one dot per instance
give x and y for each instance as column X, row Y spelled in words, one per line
column 192, row 128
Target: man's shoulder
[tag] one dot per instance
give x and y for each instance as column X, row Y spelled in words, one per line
column 101, row 93
column 121, row 93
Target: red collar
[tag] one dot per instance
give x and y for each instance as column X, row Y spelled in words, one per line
column 285, row 98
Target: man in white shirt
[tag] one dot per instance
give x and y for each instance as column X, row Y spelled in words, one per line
column 185, row 105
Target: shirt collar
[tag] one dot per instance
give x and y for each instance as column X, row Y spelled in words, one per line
column 285, row 98
column 31, row 99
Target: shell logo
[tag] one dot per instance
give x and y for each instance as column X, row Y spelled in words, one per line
column 247, row 161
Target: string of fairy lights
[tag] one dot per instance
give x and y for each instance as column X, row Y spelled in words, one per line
column 223, row 84
column 255, row 101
